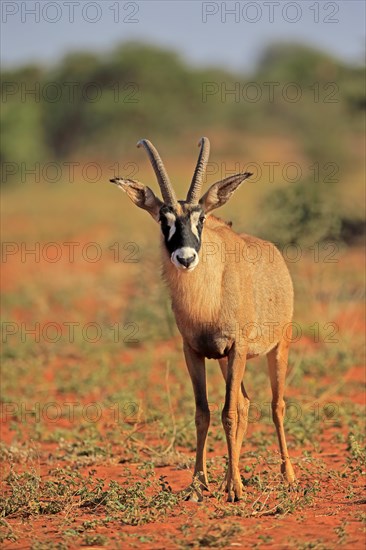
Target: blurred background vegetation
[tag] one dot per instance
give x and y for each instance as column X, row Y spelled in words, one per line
column 300, row 106
column 297, row 123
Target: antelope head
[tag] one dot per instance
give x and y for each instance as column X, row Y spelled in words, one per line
column 181, row 221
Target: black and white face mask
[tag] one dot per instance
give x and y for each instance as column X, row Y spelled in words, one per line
column 182, row 234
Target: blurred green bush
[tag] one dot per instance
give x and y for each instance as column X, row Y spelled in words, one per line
column 91, row 104
column 94, row 106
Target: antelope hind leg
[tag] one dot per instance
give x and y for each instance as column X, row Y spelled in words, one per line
column 277, row 365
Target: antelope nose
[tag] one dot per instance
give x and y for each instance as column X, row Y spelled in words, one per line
column 186, row 261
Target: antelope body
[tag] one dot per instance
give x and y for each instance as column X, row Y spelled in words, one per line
column 232, row 297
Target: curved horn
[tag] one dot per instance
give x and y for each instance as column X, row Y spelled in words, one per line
column 166, row 188
column 195, row 188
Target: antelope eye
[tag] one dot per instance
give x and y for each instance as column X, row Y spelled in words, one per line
column 202, row 219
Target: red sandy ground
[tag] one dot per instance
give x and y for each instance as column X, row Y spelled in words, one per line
column 331, row 508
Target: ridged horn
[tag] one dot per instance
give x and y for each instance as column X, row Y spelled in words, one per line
column 195, row 188
column 166, row 188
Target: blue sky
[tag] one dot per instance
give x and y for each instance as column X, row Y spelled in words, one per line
column 231, row 34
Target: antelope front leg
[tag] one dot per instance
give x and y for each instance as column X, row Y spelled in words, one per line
column 243, row 412
column 196, row 367
column 230, row 420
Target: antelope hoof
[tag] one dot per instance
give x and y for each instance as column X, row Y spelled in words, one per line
column 235, row 494
column 288, row 472
column 193, row 493
column 234, row 489
column 194, row 496
column 238, row 490
column 230, row 485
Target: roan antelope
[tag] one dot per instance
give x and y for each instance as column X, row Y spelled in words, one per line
column 226, row 306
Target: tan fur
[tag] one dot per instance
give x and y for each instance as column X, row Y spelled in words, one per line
column 233, row 307
column 235, row 304
column 239, row 297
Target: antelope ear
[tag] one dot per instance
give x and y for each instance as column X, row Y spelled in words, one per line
column 221, row 191
column 141, row 195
